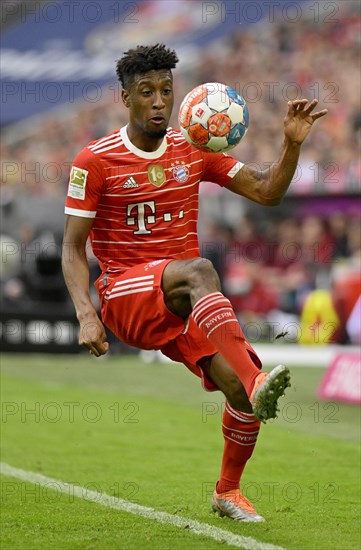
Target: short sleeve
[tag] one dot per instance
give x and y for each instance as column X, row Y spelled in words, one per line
column 220, row 168
column 85, row 185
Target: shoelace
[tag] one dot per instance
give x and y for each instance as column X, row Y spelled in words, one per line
column 242, row 501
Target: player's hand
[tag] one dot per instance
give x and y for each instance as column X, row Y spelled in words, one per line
column 299, row 119
column 92, row 336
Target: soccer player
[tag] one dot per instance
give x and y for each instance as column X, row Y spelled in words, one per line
column 134, row 192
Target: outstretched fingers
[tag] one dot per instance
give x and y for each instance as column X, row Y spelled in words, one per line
column 310, row 108
column 296, row 105
column 319, row 114
column 300, row 106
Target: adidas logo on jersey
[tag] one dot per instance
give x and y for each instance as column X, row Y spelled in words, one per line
column 130, row 183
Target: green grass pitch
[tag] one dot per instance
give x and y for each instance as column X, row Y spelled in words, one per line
column 149, row 434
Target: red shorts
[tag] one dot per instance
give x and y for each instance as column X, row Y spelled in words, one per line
column 132, row 306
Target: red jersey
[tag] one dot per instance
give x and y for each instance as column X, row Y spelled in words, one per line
column 144, row 204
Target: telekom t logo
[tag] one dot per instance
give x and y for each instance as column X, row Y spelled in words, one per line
column 141, row 216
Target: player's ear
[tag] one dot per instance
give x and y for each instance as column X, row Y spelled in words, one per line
column 126, row 98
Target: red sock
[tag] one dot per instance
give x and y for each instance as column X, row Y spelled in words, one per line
column 214, row 315
column 240, row 431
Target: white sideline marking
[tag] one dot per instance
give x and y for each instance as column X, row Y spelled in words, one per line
column 196, row 527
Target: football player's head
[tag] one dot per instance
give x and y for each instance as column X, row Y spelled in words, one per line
column 146, row 76
column 143, row 59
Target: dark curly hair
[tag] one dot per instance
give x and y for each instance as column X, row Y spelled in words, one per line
column 142, row 59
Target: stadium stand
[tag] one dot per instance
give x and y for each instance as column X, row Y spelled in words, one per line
column 269, row 259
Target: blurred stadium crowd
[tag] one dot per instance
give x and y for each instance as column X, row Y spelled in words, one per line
column 269, row 260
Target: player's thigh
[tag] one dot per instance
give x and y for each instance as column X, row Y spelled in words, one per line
column 185, row 281
column 133, row 308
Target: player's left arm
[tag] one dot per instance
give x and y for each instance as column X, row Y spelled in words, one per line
column 268, row 186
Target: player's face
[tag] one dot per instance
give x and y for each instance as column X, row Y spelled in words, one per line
column 150, row 101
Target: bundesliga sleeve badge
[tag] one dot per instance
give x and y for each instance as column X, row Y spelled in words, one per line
column 77, row 183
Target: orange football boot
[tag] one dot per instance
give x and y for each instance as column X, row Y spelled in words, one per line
column 235, row 506
column 268, row 388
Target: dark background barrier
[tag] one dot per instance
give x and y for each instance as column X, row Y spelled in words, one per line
column 39, row 329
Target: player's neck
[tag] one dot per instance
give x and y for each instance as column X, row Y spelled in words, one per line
column 143, row 142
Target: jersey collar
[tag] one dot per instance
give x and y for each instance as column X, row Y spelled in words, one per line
column 142, row 154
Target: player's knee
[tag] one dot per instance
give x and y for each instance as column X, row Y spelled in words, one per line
column 201, row 274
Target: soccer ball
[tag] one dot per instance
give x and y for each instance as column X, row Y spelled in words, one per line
column 213, row 117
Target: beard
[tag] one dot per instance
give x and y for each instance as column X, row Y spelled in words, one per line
column 155, row 134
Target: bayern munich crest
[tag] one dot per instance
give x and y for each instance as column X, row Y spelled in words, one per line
column 180, row 173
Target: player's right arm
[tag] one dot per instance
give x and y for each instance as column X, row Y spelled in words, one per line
column 76, row 274
column 84, row 191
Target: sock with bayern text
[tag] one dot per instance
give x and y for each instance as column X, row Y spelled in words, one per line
column 214, row 315
column 240, row 431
